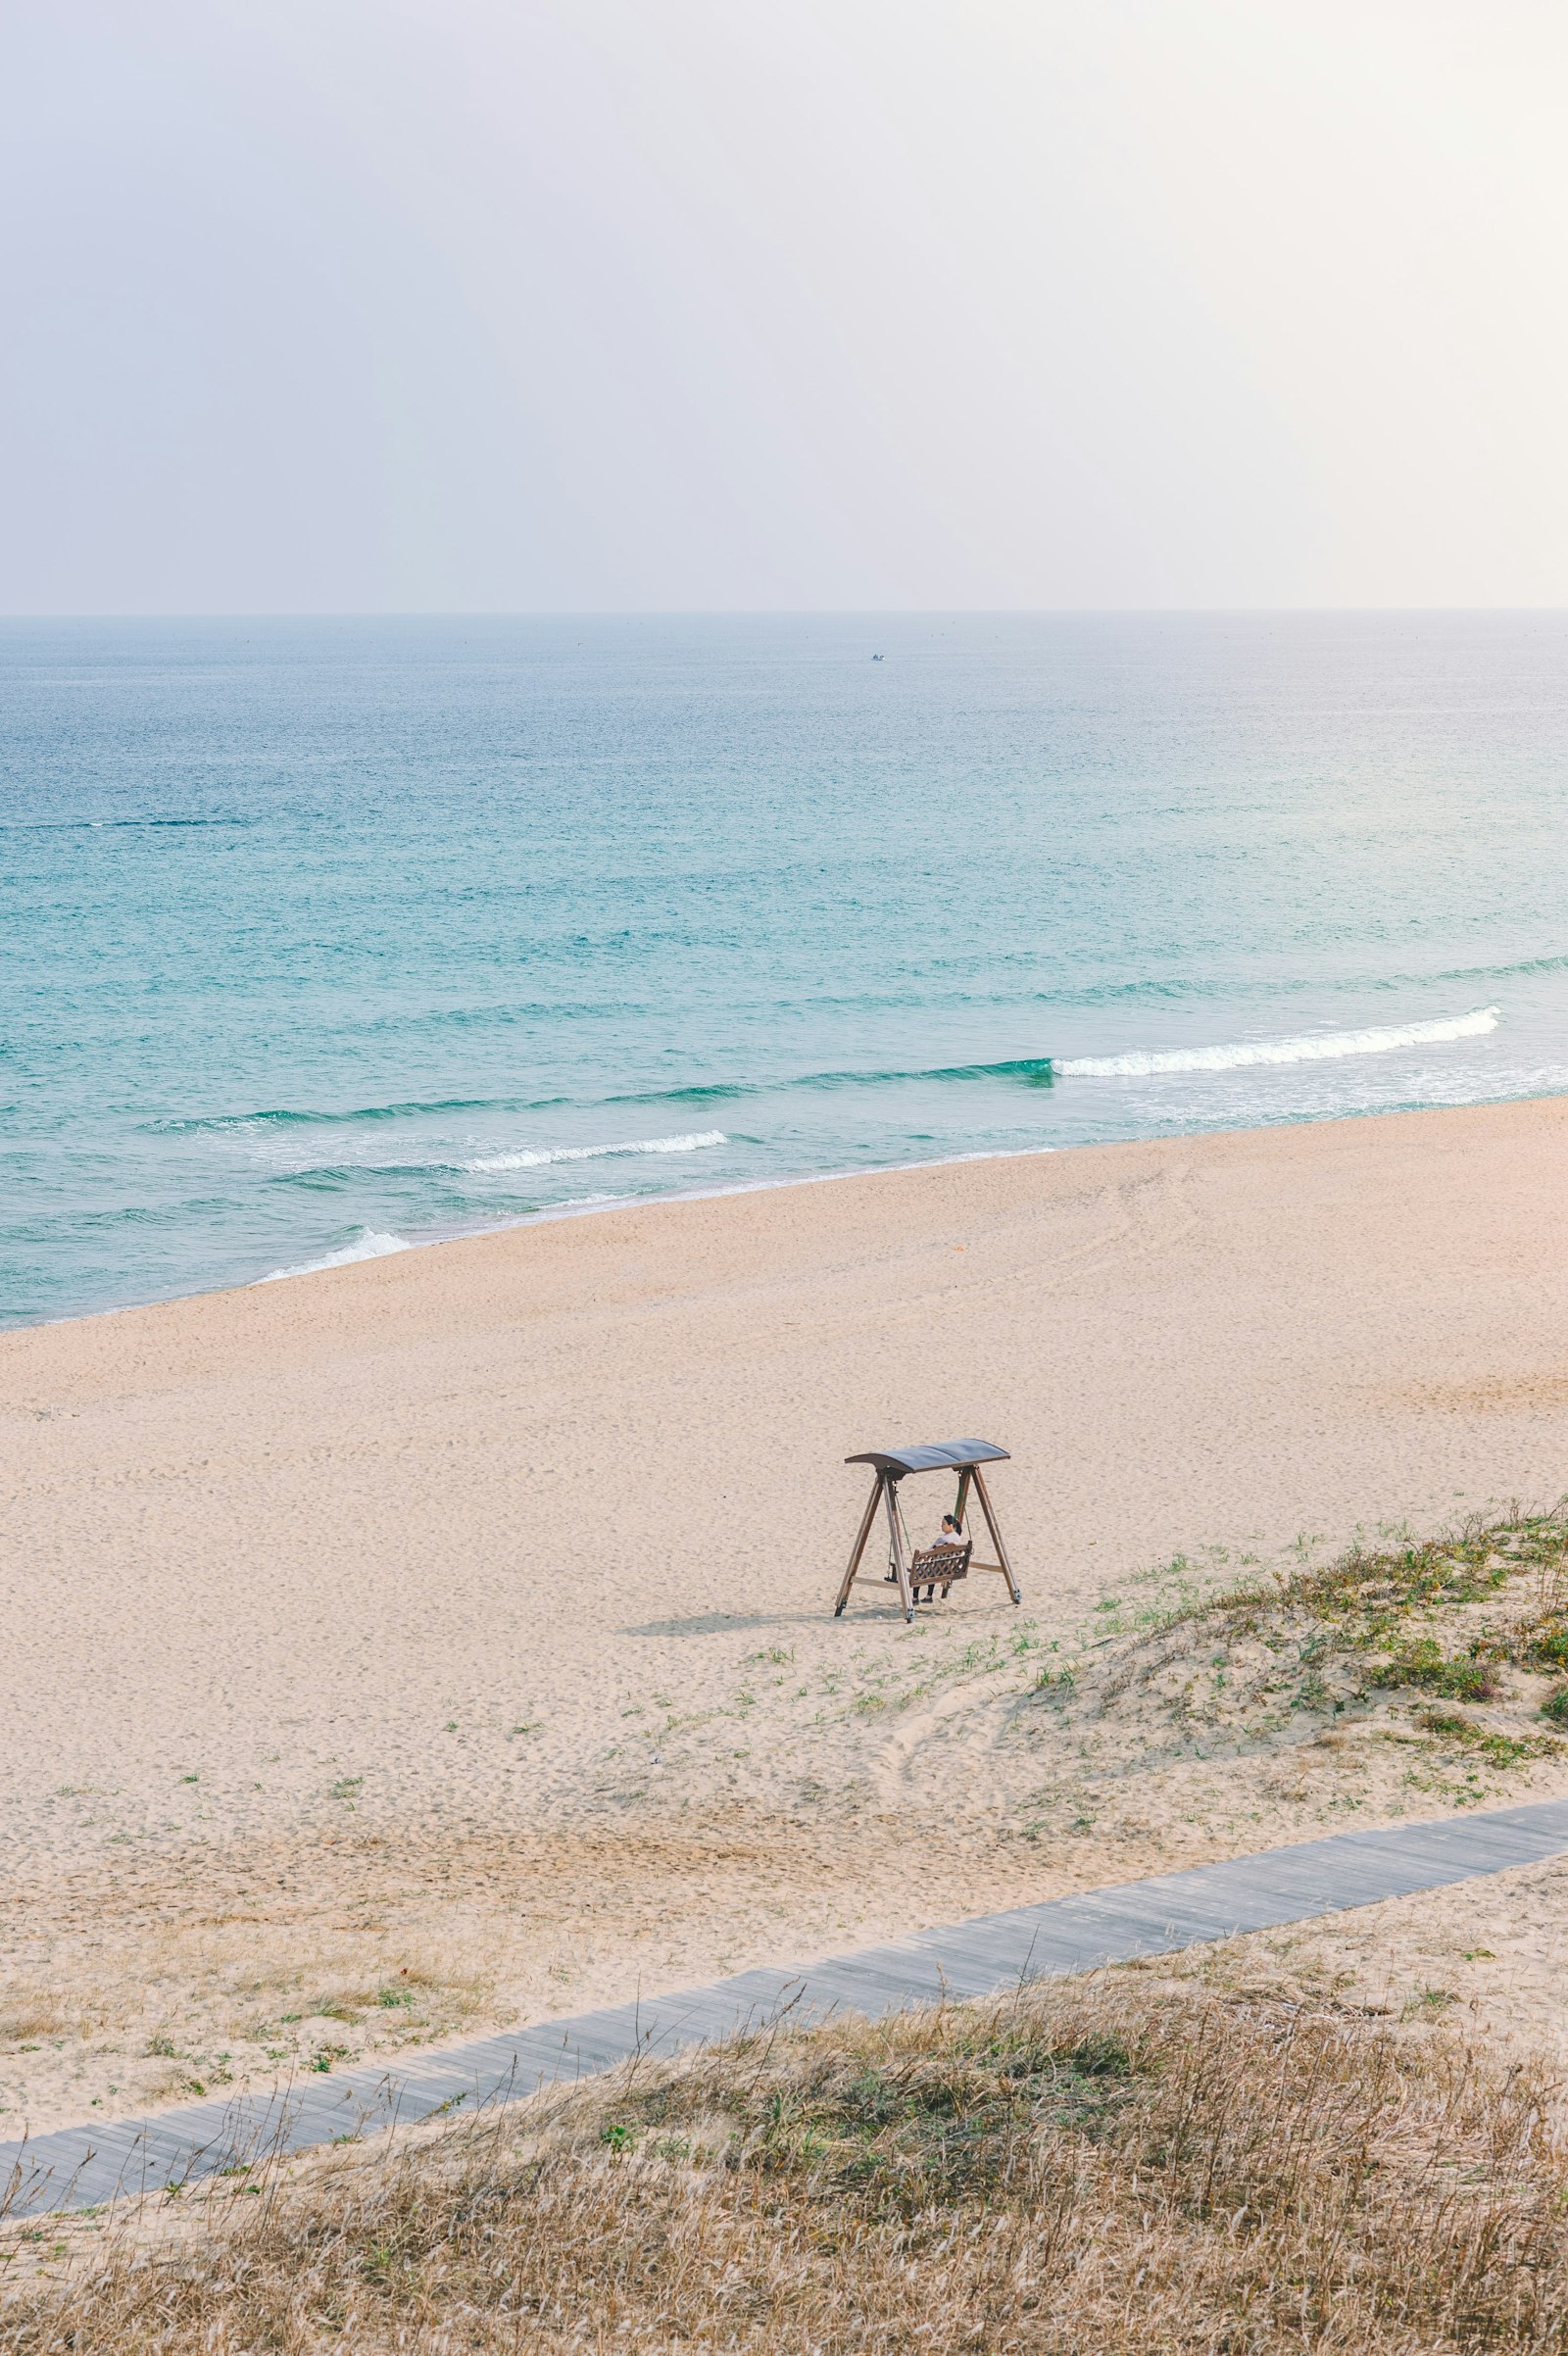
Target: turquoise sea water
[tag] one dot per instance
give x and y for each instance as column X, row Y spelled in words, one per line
column 319, row 938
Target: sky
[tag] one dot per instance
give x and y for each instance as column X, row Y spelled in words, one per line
column 731, row 305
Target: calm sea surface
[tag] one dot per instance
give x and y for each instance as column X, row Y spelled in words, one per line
column 321, row 938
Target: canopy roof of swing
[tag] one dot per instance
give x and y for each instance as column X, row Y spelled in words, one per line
column 938, row 1455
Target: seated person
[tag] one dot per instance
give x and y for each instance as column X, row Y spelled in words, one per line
column 949, row 1535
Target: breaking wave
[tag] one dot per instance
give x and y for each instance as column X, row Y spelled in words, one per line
column 1317, row 1047
column 690, row 1141
column 368, row 1244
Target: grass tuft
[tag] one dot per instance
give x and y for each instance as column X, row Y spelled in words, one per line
column 1503, row 1750
column 1423, row 1664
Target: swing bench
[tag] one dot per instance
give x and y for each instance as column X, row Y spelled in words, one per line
column 932, row 1567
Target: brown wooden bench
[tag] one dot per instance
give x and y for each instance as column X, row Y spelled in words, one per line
column 939, row 1566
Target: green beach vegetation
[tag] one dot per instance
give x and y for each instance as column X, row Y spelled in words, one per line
column 1478, row 1617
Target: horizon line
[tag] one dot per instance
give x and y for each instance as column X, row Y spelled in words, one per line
column 745, row 613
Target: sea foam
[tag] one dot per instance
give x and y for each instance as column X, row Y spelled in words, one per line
column 368, row 1244
column 690, row 1141
column 1317, row 1047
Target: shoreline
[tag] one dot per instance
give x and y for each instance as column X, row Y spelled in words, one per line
column 612, row 1205
column 608, row 1204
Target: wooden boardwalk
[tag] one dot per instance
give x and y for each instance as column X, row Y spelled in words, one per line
column 85, row 2167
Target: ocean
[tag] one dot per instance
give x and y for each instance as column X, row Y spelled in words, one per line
column 320, row 939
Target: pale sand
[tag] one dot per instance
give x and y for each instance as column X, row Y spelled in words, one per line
column 458, row 1624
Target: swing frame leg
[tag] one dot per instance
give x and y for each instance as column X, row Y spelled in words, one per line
column 904, row 1597
column 865, row 1532
column 1013, row 1588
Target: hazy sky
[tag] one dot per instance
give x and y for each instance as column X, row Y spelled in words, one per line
column 539, row 303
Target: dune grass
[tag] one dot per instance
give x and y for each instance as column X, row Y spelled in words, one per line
column 1367, row 1596
column 1123, row 2163
column 1448, row 1618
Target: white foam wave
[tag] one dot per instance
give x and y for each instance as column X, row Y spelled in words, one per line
column 367, row 1245
column 1318, row 1047
column 691, row 1142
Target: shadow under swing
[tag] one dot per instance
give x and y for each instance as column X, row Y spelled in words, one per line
column 932, row 1567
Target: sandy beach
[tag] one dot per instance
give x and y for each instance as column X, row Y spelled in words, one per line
column 448, row 1638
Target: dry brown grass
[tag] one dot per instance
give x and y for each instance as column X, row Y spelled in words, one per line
column 28, row 2017
column 1123, row 2164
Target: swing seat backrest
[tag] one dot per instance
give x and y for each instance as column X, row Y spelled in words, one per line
column 938, row 1566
